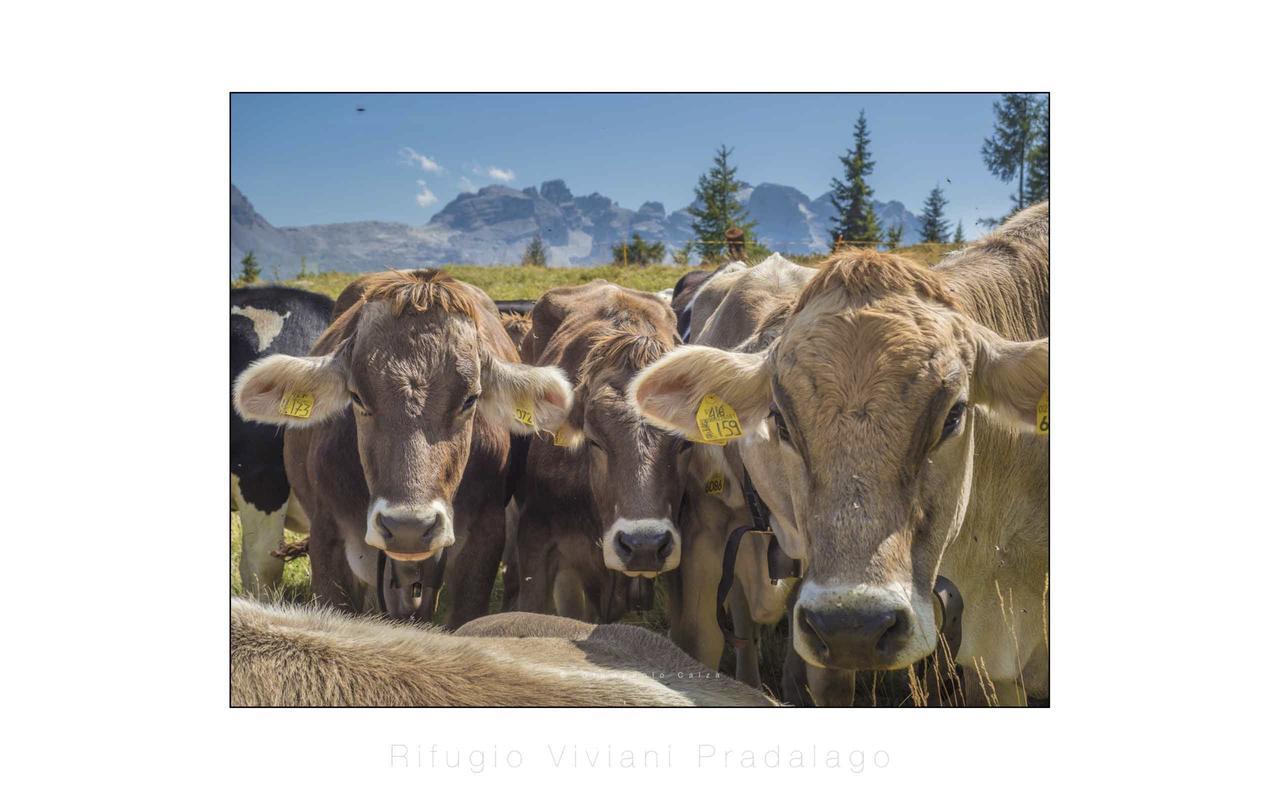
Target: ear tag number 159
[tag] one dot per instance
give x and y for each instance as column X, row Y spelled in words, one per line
column 717, row 421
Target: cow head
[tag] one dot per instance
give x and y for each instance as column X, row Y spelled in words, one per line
column 867, row 402
column 409, row 362
column 636, row 469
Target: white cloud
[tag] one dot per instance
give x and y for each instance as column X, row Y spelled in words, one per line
column 499, row 174
column 412, row 156
column 425, row 197
column 466, row 185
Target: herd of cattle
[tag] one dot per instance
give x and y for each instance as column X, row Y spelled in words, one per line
column 860, row 449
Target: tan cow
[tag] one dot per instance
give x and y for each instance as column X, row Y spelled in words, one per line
column 902, row 403
column 743, row 309
column 309, row 656
column 397, row 437
column 604, row 501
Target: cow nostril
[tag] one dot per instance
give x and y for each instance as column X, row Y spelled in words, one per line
column 808, row 626
column 622, row 546
column 893, row 627
column 667, row 547
column 381, row 525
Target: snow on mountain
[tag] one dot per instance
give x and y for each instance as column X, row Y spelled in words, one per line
column 494, row 225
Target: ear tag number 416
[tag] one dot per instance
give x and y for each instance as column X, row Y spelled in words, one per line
column 717, row 421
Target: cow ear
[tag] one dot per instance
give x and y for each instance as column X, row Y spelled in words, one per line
column 524, row 398
column 669, row 391
column 1011, row 378
column 570, row 434
column 291, row 390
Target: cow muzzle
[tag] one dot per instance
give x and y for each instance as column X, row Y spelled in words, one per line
column 863, row 628
column 409, row 533
column 642, row 547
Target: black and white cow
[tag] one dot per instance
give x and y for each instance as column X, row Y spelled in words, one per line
column 267, row 320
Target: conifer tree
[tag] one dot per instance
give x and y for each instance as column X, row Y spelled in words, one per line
column 249, row 270
column 1006, row 151
column 716, row 207
column 855, row 220
column 933, row 226
column 535, row 254
column 894, row 236
column 1038, row 157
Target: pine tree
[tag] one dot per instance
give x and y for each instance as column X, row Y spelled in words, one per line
column 249, row 270
column 933, row 226
column 716, row 208
column 894, row 236
column 682, row 256
column 959, row 237
column 855, row 220
column 1005, row 153
column 302, row 268
column 638, row 252
column 1038, row 157
column 535, row 254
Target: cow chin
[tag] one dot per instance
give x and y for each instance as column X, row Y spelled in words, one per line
column 862, row 627
column 412, row 557
column 641, row 548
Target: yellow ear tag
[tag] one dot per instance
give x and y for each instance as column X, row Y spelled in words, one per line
column 1042, row 415
column 524, row 413
column 717, row 421
column 297, row 404
column 715, row 485
column 560, row 439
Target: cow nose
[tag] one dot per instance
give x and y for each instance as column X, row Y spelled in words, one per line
column 416, row 533
column 645, row 549
column 853, row 638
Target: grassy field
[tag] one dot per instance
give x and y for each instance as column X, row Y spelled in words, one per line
column 529, row 283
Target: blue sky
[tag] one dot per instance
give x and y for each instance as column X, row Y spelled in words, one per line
column 311, row 158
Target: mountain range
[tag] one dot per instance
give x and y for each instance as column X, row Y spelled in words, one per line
column 494, row 225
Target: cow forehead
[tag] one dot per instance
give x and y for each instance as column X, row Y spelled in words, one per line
column 429, row 334
column 413, row 347
column 880, row 361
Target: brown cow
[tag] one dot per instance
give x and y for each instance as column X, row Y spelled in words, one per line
column 620, row 491
column 902, row 403
column 300, row 656
column 398, row 435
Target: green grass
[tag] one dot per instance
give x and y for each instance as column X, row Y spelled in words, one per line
column 296, row 586
column 529, row 283
column 519, row 283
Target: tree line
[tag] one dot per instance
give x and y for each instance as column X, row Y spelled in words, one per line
column 1016, row 152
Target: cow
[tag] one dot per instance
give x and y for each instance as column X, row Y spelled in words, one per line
column 600, row 499
column 906, row 407
column 682, row 297
column 517, row 326
column 738, row 308
column 265, row 321
column 397, row 440
column 311, row 656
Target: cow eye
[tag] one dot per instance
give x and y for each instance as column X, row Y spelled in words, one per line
column 783, row 432
column 470, row 401
column 953, row 420
column 358, row 403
